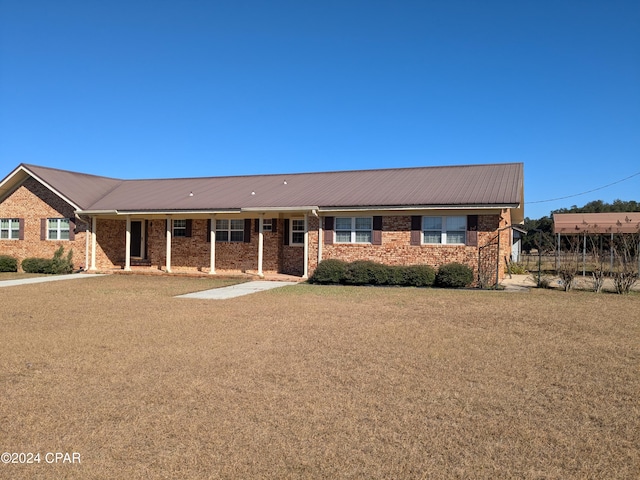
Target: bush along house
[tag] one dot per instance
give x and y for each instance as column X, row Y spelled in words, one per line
column 285, row 223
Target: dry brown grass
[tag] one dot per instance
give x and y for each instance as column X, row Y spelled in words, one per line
column 318, row 382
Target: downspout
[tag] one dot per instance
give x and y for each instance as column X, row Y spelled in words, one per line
column 168, row 232
column 260, row 244
column 320, row 242
column 127, row 245
column 305, row 268
column 94, row 227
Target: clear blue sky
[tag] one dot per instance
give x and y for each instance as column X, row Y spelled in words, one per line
column 184, row 88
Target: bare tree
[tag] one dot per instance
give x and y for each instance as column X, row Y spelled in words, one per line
column 568, row 263
column 599, row 272
column 625, row 274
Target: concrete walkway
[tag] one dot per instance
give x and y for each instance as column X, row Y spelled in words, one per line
column 48, row 278
column 237, row 290
column 518, row 283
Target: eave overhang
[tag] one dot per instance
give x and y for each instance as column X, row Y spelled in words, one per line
column 16, row 178
column 47, row 185
column 416, row 207
column 294, row 209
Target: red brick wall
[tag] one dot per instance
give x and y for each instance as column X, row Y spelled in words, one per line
column 188, row 253
column 192, row 253
column 33, row 202
column 110, row 243
column 396, row 248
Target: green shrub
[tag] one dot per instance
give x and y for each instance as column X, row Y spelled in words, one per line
column 396, row 275
column 329, row 271
column 8, row 264
column 419, row 275
column 516, row 268
column 37, row 265
column 365, row 272
column 54, row 266
column 454, row 275
column 61, row 265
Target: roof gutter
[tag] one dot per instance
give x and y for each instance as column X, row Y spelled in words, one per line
column 281, row 209
column 156, row 212
column 418, row 207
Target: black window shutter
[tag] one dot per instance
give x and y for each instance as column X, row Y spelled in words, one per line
column 472, row 230
column 209, row 230
column 376, row 238
column 257, row 225
column 188, row 228
column 416, row 229
column 328, row 230
column 472, row 238
column 21, row 229
column 43, row 229
column 285, row 233
column 72, row 230
column 274, row 225
column 247, row 230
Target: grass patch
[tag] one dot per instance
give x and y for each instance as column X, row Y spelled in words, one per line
column 319, row 382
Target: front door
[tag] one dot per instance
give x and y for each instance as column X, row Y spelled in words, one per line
column 136, row 239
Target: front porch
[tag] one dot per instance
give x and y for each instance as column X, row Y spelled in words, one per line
column 208, row 245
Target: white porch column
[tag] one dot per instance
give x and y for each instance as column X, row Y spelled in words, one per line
column 260, row 244
column 168, row 223
column 127, row 246
column 87, row 242
column 94, row 223
column 305, row 272
column 212, row 237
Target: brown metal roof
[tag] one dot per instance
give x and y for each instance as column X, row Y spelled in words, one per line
column 614, row 222
column 469, row 185
column 497, row 185
column 80, row 188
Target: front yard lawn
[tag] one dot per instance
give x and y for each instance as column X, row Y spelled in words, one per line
column 318, row 382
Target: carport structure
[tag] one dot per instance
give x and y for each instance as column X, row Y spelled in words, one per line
column 610, row 224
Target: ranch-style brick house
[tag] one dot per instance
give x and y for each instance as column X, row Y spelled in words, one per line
column 259, row 224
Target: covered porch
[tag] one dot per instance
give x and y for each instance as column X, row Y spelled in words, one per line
column 262, row 243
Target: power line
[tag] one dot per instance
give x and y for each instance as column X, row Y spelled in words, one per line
column 584, row 193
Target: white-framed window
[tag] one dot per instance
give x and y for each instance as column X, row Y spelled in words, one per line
column 297, row 231
column 179, row 228
column 9, row 228
column 353, row 229
column 450, row 230
column 230, row 230
column 57, row 229
column 267, row 224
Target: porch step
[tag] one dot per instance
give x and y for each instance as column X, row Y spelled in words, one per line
column 140, row 263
